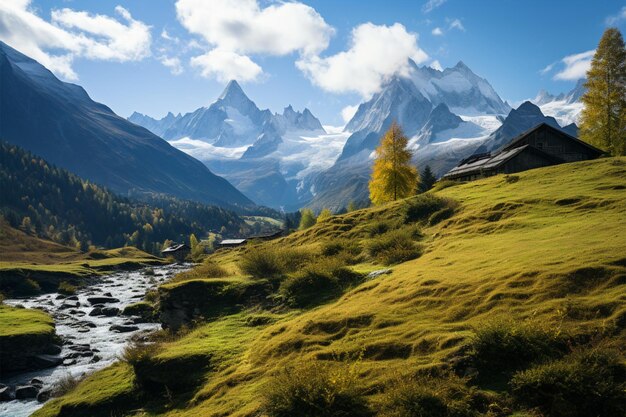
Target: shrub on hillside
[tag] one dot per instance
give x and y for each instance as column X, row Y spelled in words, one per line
column 272, row 262
column 316, row 390
column 420, row 208
column 318, row 282
column 440, row 215
column 378, row 228
column 395, row 247
column 349, row 250
column 501, row 347
column 207, row 269
column 308, row 286
column 431, row 397
column 586, row 383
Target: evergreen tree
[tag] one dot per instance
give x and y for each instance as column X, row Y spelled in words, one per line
column 307, row 219
column 324, row 214
column 603, row 119
column 393, row 176
column 427, row 180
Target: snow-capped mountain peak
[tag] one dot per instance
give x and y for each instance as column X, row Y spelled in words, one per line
column 565, row 107
column 292, row 120
column 232, row 91
column 459, row 88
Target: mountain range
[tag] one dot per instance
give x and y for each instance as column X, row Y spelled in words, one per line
column 289, row 160
column 270, row 157
column 61, row 123
column 447, row 115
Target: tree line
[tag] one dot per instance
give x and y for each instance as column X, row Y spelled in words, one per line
column 50, row 202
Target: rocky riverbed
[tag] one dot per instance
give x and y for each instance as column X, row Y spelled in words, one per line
column 92, row 330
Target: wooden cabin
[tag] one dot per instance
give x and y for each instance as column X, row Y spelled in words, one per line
column 177, row 251
column 541, row 146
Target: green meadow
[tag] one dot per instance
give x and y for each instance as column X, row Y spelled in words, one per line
column 499, row 291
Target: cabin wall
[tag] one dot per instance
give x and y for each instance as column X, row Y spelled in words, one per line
column 557, row 145
column 524, row 161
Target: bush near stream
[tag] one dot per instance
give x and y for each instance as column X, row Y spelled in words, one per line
column 143, row 309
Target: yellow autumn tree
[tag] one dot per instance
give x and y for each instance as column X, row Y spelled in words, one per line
column 393, row 176
column 603, row 119
column 324, row 214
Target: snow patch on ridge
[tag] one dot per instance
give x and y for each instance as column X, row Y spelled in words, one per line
column 565, row 113
column 204, row 151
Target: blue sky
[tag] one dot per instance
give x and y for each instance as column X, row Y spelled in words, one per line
column 166, row 55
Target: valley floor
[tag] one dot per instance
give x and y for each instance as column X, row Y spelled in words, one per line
column 503, row 289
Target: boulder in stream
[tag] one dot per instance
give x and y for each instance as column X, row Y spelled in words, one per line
column 24, row 392
column 6, row 393
column 102, row 300
column 44, row 395
column 110, row 311
column 120, row 328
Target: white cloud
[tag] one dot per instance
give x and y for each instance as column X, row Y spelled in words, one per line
column 575, row 66
column 166, row 35
column 437, row 31
column 615, row 19
column 226, row 65
column 70, row 34
column 457, row 24
column 436, row 65
column 376, row 54
column 236, row 29
column 348, row 112
column 173, row 63
column 113, row 40
column 431, row 5
column 547, row 68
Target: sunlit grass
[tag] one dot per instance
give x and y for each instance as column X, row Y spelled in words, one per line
column 547, row 251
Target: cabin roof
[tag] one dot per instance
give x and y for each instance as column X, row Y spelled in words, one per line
column 232, row 241
column 489, row 161
column 175, row 248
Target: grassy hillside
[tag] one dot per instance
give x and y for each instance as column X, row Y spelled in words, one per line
column 505, row 297
column 29, row 264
